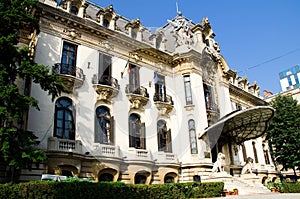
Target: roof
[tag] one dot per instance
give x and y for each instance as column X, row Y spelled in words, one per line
column 240, row 126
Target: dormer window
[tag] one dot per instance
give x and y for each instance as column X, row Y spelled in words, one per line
column 134, row 34
column 74, row 10
column 106, row 23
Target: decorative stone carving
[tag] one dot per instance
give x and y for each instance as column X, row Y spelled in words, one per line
column 135, row 56
column 105, row 90
column 164, row 108
column 135, row 24
column 72, row 33
column 182, row 31
column 219, row 164
column 209, row 68
column 107, row 45
column 138, row 97
column 247, row 168
column 137, row 101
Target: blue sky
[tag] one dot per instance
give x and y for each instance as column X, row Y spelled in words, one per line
column 258, row 38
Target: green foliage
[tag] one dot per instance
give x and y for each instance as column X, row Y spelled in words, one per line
column 17, row 69
column 275, row 185
column 76, row 189
column 291, row 187
column 284, row 132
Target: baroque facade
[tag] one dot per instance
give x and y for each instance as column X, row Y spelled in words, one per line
column 137, row 103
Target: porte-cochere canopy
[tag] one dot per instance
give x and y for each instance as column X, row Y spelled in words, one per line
column 240, row 126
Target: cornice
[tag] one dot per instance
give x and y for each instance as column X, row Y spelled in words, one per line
column 246, row 95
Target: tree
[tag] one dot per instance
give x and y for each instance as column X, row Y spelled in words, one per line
column 284, row 132
column 17, row 145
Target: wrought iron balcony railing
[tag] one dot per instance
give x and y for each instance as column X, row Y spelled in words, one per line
column 163, row 98
column 131, row 89
column 66, row 69
column 106, row 80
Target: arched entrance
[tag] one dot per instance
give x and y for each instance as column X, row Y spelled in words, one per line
column 107, row 175
column 170, row 178
column 237, row 127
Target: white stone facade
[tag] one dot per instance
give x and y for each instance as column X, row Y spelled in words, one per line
column 195, row 87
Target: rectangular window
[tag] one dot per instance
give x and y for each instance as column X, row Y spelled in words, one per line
column 209, row 97
column 137, row 135
column 68, row 60
column 134, row 79
column 187, row 88
column 160, row 88
column 104, row 72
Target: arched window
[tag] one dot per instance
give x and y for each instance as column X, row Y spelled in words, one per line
column 104, row 126
column 140, row 179
column 64, row 124
column 196, row 178
column 106, row 177
column 169, row 179
column 164, row 137
column 137, row 137
column 193, row 139
column 74, row 10
column 105, row 23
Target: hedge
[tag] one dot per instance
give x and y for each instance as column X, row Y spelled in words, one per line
column 90, row 190
column 291, row 187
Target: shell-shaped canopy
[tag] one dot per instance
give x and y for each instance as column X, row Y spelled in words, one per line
column 240, row 126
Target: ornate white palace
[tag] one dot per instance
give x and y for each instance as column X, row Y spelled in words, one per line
column 141, row 106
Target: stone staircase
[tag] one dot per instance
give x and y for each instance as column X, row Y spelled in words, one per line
column 246, row 185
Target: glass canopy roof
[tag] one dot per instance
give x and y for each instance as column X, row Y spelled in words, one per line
column 240, row 126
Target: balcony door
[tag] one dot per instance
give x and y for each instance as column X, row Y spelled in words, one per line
column 104, row 72
column 68, row 59
column 160, row 88
column 134, row 79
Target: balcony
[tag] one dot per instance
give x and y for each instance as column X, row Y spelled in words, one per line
column 105, row 150
column 164, row 103
column 71, row 76
column 64, row 145
column 213, row 113
column 106, row 87
column 138, row 97
column 138, row 154
column 166, row 158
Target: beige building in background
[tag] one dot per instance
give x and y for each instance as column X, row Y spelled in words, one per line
column 138, row 102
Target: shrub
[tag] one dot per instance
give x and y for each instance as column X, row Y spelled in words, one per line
column 77, row 189
column 291, row 187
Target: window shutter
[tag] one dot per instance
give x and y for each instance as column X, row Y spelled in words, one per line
column 112, row 131
column 169, row 141
column 159, row 136
column 72, row 136
column 143, row 136
column 131, row 134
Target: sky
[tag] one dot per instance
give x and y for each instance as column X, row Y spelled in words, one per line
column 258, row 38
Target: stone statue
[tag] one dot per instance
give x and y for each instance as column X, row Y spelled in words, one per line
column 247, row 168
column 219, row 164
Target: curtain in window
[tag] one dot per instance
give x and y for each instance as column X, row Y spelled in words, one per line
column 193, row 139
column 137, row 135
column 68, row 60
column 164, row 137
column 104, row 126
